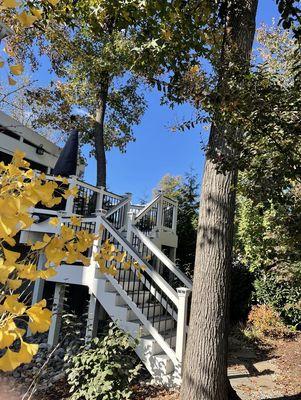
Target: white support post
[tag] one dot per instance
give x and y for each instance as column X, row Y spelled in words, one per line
column 175, row 218
column 183, row 294
column 127, row 208
column 70, row 199
column 99, row 198
column 130, row 222
column 160, row 211
column 37, row 294
column 92, row 318
column 56, row 319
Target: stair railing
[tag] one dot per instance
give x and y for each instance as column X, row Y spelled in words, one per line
column 173, row 303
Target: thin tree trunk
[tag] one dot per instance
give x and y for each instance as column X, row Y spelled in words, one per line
column 100, row 154
column 205, row 367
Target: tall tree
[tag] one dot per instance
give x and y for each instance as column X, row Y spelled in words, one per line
column 91, row 58
column 205, row 369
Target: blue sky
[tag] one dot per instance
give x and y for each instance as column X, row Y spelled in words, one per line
column 157, row 150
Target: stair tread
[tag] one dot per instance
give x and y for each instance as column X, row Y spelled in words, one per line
column 156, row 319
column 169, row 333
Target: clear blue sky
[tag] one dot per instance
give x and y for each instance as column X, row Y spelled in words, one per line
column 157, row 150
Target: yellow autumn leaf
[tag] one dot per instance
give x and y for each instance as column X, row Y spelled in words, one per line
column 120, row 257
column 36, row 12
column 40, row 245
column 1, row 64
column 9, row 4
column 26, row 352
column 9, row 333
column 10, row 256
column 39, row 318
column 26, row 20
column 28, row 272
column 12, row 305
column 47, row 273
column 127, row 265
column 9, row 361
column 16, row 69
column 67, row 233
column 11, row 81
column 54, row 221
column 53, row 2
column 4, row 273
column 75, row 220
column 14, row 284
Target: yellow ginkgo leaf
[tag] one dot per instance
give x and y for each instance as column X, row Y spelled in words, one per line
column 9, row 361
column 54, row 221
column 26, row 352
column 11, row 81
column 16, row 69
column 120, row 257
column 40, row 245
column 36, row 12
column 47, row 273
column 9, row 4
column 39, row 318
column 75, row 220
column 11, row 256
column 14, row 284
column 53, row 2
column 26, row 20
column 12, row 305
column 1, row 64
column 9, row 333
column 127, row 265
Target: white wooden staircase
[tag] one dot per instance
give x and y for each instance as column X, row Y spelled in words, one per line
column 151, row 305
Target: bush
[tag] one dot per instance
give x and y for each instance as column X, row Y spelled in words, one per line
column 104, row 369
column 283, row 296
column 263, row 320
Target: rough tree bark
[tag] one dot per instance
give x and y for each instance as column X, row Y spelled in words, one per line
column 100, row 154
column 205, row 366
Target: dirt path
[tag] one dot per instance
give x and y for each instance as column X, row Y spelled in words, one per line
column 271, row 373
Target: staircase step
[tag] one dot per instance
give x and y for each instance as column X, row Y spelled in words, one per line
column 149, row 310
column 164, row 362
column 127, row 285
column 161, row 323
column 137, row 297
column 170, row 337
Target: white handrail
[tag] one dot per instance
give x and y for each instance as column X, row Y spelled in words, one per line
column 162, row 257
column 146, row 208
column 117, row 207
column 156, row 277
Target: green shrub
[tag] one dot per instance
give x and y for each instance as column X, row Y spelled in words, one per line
column 104, row 369
column 284, row 296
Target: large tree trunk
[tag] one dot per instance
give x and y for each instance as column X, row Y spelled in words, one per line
column 100, row 154
column 205, row 366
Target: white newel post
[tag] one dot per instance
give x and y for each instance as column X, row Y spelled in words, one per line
column 160, row 211
column 183, row 294
column 127, row 208
column 70, row 199
column 92, row 319
column 99, row 198
column 56, row 319
column 130, row 222
column 175, row 218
